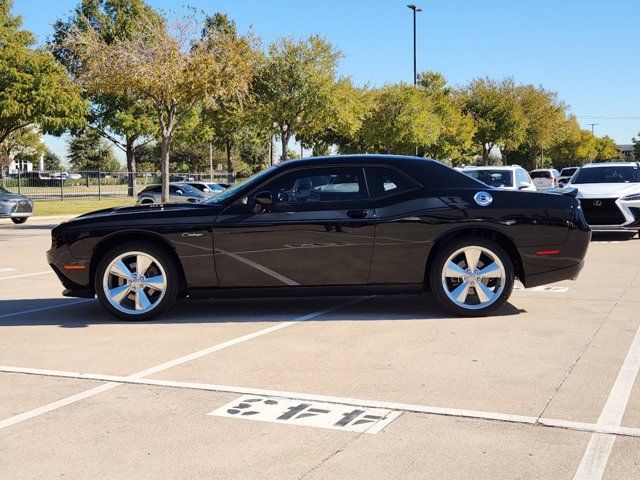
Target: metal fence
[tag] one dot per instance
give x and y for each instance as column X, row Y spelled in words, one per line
column 60, row 185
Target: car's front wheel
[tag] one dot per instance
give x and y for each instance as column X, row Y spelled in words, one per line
column 19, row 220
column 136, row 281
column 472, row 276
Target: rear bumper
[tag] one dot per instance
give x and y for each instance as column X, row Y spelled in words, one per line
column 552, row 276
column 543, row 265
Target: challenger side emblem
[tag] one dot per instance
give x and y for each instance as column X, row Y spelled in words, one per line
column 483, row 199
column 597, row 203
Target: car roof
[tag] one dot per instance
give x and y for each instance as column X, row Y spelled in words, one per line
column 544, row 169
column 488, row 167
column 428, row 172
column 611, row 164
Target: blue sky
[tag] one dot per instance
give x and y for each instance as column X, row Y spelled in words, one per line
column 587, row 50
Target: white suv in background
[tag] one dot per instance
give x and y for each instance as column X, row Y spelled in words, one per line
column 609, row 194
column 545, row 177
column 511, row 177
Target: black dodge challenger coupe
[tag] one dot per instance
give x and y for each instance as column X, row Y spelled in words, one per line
column 335, row 225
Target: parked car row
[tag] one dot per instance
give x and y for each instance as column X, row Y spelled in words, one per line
column 181, row 192
column 609, row 192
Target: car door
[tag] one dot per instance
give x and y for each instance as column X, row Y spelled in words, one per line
column 402, row 238
column 318, row 230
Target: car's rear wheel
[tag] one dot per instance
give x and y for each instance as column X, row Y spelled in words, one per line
column 472, row 276
column 136, row 281
column 19, row 220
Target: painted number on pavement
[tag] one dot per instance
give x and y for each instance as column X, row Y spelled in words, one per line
column 307, row 413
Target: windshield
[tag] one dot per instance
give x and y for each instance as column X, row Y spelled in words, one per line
column 188, row 189
column 614, row 174
column 215, row 186
column 494, row 178
column 541, row 174
column 567, row 172
column 231, row 191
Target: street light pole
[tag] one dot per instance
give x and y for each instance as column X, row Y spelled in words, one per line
column 592, row 129
column 415, row 55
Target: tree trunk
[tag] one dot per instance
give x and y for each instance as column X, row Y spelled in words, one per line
column 229, row 163
column 131, row 167
column 485, row 154
column 164, row 165
column 284, row 137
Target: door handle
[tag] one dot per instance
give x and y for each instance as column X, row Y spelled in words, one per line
column 357, row 213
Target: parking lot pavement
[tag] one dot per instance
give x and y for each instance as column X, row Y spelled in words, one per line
column 536, row 391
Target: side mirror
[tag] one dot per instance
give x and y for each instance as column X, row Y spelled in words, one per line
column 523, row 185
column 179, row 192
column 206, row 190
column 264, row 198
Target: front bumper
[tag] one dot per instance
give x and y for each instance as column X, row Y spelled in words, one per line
column 16, row 209
column 76, row 282
column 611, row 214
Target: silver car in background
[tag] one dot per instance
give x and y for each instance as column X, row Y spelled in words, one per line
column 178, row 193
column 15, row 206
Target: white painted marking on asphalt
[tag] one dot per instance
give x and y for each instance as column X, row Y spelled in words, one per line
column 26, row 275
column 262, row 268
column 333, row 416
column 542, row 288
column 55, row 405
column 6, row 269
column 136, row 376
column 68, row 303
column 595, row 459
column 356, row 402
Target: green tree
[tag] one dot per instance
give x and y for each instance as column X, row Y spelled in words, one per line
column 636, row 148
column 544, row 115
column 401, row 118
column 52, row 162
column 606, row 149
column 88, row 151
column 34, row 90
column 123, row 119
column 497, row 113
column 455, row 137
column 295, row 87
column 168, row 67
column 23, row 144
column 573, row 146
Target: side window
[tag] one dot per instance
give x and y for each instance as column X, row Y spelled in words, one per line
column 330, row 184
column 520, row 177
column 386, row 181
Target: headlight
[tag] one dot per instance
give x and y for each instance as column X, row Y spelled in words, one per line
column 632, row 198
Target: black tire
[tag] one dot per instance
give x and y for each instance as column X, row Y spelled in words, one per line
column 159, row 254
column 19, row 220
column 146, row 201
column 438, row 265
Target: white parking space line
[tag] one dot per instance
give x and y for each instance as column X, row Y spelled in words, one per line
column 166, row 365
column 6, row 269
column 26, row 275
column 68, row 303
column 595, row 459
column 356, row 402
column 55, row 405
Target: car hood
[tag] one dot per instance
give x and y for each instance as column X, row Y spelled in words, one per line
column 12, row 196
column 142, row 214
column 605, row 190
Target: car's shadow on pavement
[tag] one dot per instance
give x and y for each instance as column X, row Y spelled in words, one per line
column 80, row 314
column 613, row 236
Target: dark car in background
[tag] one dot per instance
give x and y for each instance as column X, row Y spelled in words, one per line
column 15, row 206
column 324, row 226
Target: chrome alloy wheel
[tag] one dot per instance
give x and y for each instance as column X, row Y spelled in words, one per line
column 473, row 277
column 134, row 283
